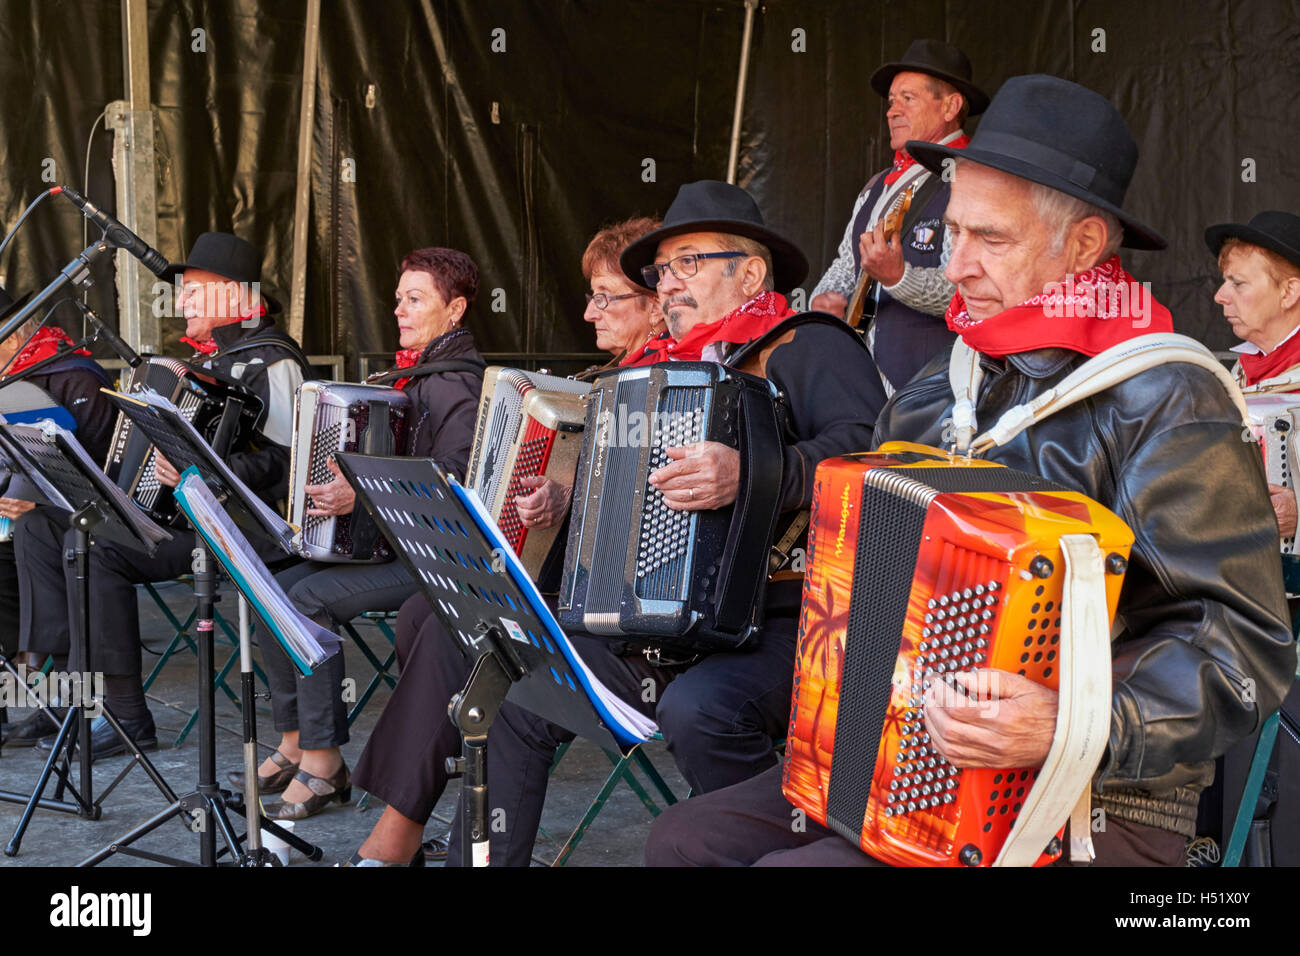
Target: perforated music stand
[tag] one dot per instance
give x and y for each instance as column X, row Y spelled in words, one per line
column 206, row 806
column 483, row 597
column 53, row 461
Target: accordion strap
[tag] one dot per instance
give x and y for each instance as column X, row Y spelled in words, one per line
column 1288, row 381
column 753, row 524
column 965, row 376
column 1083, row 708
column 1116, row 364
column 430, row 368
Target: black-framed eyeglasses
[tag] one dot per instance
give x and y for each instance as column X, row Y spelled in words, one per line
column 603, row 299
column 683, row 267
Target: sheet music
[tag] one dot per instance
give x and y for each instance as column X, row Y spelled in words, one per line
column 276, row 526
column 306, row 642
column 627, row 723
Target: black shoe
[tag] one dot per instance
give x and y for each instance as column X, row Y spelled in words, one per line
column 29, row 732
column 106, row 743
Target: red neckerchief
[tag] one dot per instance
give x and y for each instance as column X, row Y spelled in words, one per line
column 1256, row 368
column 43, row 344
column 1087, row 314
column 654, row 350
column 210, row 347
column 742, row 325
column 903, row 160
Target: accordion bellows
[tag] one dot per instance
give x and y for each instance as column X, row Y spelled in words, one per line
column 529, row 425
column 921, row 565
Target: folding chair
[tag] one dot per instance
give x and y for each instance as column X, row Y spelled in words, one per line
column 180, row 635
column 383, row 669
column 1264, row 747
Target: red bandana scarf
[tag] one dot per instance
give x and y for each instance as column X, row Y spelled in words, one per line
column 655, row 350
column 43, row 344
column 743, row 325
column 1256, row 368
column 210, row 347
column 1087, row 313
column 903, row 160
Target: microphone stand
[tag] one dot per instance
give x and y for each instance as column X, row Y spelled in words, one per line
column 75, row 274
column 102, row 331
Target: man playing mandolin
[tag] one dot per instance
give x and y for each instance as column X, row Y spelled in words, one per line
column 888, row 270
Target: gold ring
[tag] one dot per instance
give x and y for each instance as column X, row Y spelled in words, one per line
column 692, row 494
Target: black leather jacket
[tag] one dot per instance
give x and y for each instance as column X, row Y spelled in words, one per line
column 1205, row 651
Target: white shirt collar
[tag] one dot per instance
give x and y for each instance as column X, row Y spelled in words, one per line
column 1250, row 348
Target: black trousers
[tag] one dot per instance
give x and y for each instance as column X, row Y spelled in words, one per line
column 47, row 592
column 752, row 824
column 8, row 600
column 331, row 595
column 719, row 718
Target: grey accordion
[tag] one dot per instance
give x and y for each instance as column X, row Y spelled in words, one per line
column 331, row 417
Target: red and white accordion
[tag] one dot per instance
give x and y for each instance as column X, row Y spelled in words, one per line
column 331, row 417
column 920, row 566
column 529, row 425
column 220, row 410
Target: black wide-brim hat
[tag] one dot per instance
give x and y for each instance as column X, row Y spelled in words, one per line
column 1051, row 131
column 713, row 206
column 229, row 256
column 938, row 59
column 1273, row 229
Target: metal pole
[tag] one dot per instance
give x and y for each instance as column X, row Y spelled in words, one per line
column 131, row 120
column 248, row 702
column 734, row 155
column 302, row 194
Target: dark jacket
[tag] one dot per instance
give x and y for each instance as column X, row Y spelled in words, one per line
column 446, row 404
column 75, row 382
column 1204, row 651
column 267, row 362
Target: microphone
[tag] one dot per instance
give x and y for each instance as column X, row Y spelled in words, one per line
column 118, row 235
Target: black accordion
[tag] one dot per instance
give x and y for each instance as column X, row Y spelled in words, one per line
column 331, row 417
column 641, row 571
column 220, row 410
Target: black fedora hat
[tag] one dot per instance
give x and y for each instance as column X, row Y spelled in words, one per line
column 713, row 206
column 1060, row 134
column 229, row 256
column 938, row 59
column 1274, row 230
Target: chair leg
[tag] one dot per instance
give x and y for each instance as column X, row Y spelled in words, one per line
column 1250, row 792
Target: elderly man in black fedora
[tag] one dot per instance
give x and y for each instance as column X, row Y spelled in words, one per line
column 929, row 94
column 721, row 275
column 72, row 382
column 1203, row 651
column 230, row 323
column 1260, row 295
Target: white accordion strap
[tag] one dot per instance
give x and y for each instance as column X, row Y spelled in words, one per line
column 1083, row 715
column 964, row 375
column 1115, row 365
column 1288, row 381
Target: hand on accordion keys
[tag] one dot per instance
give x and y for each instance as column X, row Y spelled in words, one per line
column 702, row 476
column 1002, row 719
column 165, row 471
column 1284, row 506
column 545, row 507
column 335, row 497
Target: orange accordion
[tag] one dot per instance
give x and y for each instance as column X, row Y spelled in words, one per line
column 921, row 565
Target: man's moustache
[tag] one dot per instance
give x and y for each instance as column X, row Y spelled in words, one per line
column 680, row 299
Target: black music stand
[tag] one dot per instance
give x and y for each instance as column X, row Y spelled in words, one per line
column 205, row 806
column 483, row 596
column 52, row 459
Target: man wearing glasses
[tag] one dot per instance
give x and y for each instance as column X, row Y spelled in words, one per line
column 721, row 276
